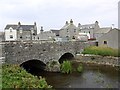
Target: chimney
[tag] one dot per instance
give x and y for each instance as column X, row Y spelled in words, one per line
column 71, row 21
column 34, row 23
column 41, row 29
column 19, row 24
column 96, row 22
column 79, row 24
column 66, row 23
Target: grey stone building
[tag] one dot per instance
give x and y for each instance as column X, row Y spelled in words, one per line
column 68, row 31
column 89, row 28
column 14, row 32
column 45, row 35
column 2, row 36
column 57, row 32
column 101, row 31
column 110, row 39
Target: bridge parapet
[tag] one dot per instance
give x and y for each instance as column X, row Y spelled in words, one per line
column 19, row 52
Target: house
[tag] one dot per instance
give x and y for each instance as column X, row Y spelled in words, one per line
column 45, row 35
column 110, row 39
column 18, row 32
column 101, row 31
column 57, row 32
column 69, row 31
column 82, row 37
column 89, row 28
column 2, row 36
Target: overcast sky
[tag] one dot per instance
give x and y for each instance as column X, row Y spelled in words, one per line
column 52, row 14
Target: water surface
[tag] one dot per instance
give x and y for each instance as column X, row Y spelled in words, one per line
column 92, row 77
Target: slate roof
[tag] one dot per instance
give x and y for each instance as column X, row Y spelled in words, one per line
column 11, row 25
column 103, row 30
column 87, row 26
column 56, row 31
column 23, row 27
column 68, row 26
column 26, row 27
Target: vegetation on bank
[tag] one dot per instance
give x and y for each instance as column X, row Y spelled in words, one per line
column 80, row 68
column 67, row 67
column 103, row 51
column 14, row 76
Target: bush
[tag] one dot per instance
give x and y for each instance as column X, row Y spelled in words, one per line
column 103, row 51
column 66, row 67
column 80, row 68
column 16, row 77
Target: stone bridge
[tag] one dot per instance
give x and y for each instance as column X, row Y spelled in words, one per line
column 22, row 52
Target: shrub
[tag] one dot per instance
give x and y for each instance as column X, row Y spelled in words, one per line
column 16, row 77
column 66, row 67
column 104, row 51
column 80, row 68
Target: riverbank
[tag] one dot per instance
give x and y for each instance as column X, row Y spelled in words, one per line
column 98, row 60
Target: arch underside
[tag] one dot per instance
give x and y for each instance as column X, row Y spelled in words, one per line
column 66, row 56
column 33, row 66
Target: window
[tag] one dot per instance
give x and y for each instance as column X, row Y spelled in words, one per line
column 73, row 37
column 96, row 43
column 57, row 35
column 20, row 37
column 74, row 30
column 20, row 30
column 10, row 30
column 38, row 38
column 67, row 37
column 67, row 30
column 33, row 33
column 105, row 42
column 11, row 36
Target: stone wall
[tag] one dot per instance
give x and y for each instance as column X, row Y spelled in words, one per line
column 98, row 60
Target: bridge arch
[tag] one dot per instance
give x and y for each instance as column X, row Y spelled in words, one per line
column 66, row 56
column 33, row 66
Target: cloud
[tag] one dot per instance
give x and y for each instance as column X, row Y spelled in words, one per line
column 54, row 13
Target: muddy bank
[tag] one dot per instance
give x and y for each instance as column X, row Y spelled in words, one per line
column 98, row 60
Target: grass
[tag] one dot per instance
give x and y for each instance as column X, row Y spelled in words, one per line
column 66, row 67
column 103, row 51
column 14, row 76
column 80, row 68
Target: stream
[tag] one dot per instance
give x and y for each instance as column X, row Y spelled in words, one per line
column 93, row 76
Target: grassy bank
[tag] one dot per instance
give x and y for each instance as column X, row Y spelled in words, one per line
column 103, row 51
column 14, row 76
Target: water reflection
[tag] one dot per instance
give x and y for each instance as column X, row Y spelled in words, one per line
column 92, row 77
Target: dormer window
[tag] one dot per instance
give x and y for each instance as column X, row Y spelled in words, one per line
column 10, row 30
